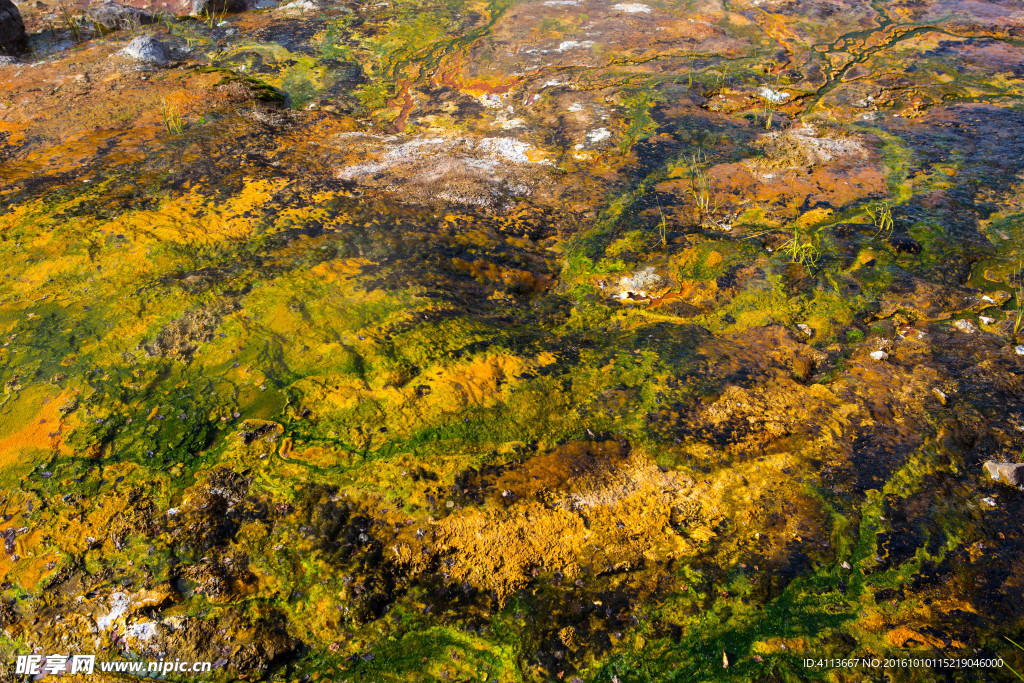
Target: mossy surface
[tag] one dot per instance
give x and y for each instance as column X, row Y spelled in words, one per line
column 517, row 341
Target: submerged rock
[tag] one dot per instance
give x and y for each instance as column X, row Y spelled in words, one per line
column 806, row 146
column 114, row 16
column 12, row 28
column 483, row 172
column 147, row 49
column 200, row 7
column 640, row 284
column 965, row 326
column 311, row 385
column 927, row 300
column 1007, row 472
column 904, row 245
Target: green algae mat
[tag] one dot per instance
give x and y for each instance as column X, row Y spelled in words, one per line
column 515, row 341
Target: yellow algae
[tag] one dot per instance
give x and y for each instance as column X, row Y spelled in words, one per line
column 774, row 645
column 473, row 383
column 21, row 442
column 813, row 217
column 77, row 529
column 340, row 270
column 77, row 148
column 904, row 637
column 15, row 131
column 440, row 391
column 424, row 402
column 509, row 277
column 195, row 218
column 30, row 571
column 601, row 508
column 337, row 392
column 316, row 456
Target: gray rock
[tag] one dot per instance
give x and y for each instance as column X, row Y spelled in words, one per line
column 1006, row 472
column 8, row 61
column 12, row 29
column 201, row 7
column 114, row 16
column 147, row 49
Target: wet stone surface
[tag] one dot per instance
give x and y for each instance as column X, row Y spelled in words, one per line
column 12, row 29
column 513, row 341
column 147, row 49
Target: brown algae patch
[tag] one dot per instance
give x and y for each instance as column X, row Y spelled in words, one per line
column 596, row 506
column 475, row 350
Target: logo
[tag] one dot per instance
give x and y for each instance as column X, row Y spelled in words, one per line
column 33, row 665
column 38, row 665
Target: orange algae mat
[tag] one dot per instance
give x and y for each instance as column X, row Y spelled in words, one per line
column 515, row 341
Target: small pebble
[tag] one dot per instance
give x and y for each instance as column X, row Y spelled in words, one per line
column 1020, row 350
column 147, row 49
column 965, row 326
column 879, row 355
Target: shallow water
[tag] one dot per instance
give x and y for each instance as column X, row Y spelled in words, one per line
column 516, row 341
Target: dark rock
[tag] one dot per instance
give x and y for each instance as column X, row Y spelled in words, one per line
column 114, row 16
column 1006, row 472
column 905, row 245
column 147, row 49
column 803, row 368
column 201, row 7
column 925, row 300
column 12, row 28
